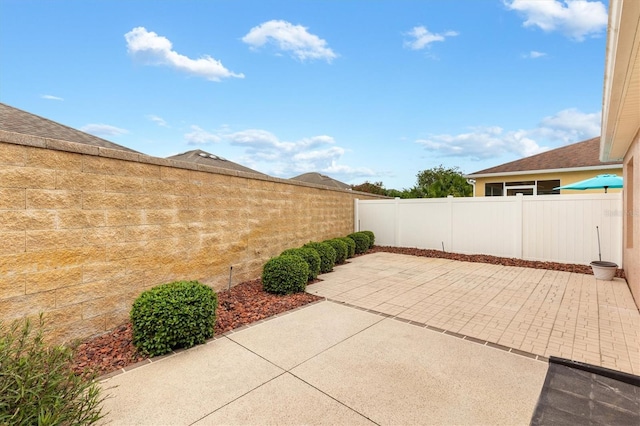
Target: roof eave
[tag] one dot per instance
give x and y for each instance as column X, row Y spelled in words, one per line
column 544, row 171
column 620, row 124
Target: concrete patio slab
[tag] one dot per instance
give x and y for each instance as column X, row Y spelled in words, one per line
column 292, row 339
column 186, row 387
column 354, row 367
column 536, row 311
column 285, row 400
column 396, row 373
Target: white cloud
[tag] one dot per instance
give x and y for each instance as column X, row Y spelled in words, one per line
column 421, row 37
column 294, row 39
column 265, row 151
column 199, row 136
column 52, row 98
column 576, row 19
column 570, row 125
column 534, row 55
column 152, row 49
column 567, row 126
column 482, row 143
column 351, row 172
column 158, row 120
column 254, row 138
column 103, row 130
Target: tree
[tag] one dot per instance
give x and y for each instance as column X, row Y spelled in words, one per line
column 379, row 189
column 371, row 188
column 439, row 182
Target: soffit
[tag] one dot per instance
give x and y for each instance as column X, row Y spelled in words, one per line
column 621, row 103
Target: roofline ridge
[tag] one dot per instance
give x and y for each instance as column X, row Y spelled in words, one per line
column 65, row 126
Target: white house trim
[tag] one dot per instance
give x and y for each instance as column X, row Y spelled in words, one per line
column 545, row 171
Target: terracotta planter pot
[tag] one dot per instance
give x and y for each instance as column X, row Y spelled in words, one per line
column 604, row 270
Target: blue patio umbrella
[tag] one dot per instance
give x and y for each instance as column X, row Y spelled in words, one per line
column 600, row 181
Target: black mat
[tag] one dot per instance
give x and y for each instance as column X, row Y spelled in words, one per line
column 575, row 393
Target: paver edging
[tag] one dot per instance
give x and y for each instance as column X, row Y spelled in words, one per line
column 450, row 333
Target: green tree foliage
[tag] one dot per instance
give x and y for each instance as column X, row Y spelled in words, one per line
column 439, row 182
column 371, row 188
column 379, row 189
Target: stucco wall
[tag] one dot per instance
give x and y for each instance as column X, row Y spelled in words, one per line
column 565, row 179
column 631, row 227
column 84, row 230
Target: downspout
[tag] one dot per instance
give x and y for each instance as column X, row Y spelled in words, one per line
column 472, row 182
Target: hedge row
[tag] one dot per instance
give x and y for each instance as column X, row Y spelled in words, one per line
column 182, row 314
column 284, row 274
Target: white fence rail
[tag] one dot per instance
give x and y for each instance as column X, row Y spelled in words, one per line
column 556, row 228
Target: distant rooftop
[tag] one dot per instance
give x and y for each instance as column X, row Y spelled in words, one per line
column 319, row 179
column 583, row 154
column 203, row 157
column 18, row 121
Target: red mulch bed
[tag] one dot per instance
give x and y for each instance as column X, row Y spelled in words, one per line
column 244, row 304
column 247, row 303
column 494, row 260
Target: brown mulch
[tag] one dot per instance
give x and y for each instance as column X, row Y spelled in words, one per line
column 107, row 352
column 494, row 260
column 246, row 303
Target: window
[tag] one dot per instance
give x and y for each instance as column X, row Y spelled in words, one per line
column 545, row 187
column 493, row 189
column 522, row 183
column 514, row 191
column 524, row 187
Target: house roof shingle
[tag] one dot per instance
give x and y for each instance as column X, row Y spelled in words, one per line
column 18, row 121
column 203, row 157
column 577, row 155
column 319, row 179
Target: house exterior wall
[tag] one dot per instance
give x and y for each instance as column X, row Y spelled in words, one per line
column 631, row 221
column 564, row 177
column 85, row 230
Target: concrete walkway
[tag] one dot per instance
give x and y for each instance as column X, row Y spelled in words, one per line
column 532, row 312
column 327, row 363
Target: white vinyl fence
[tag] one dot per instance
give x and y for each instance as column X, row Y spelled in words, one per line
column 556, row 228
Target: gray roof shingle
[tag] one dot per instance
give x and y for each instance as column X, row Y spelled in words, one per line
column 18, row 121
column 203, row 157
column 581, row 154
column 319, row 179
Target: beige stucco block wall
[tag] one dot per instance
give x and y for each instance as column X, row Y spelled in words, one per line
column 85, row 230
column 565, row 178
column 631, row 227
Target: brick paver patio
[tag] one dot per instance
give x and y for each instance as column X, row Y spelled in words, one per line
column 524, row 310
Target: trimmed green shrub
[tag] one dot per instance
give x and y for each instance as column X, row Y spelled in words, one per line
column 310, row 256
column 37, row 383
column 285, row 274
column 351, row 246
column 327, row 255
column 180, row 314
column 341, row 249
column 372, row 237
column 361, row 240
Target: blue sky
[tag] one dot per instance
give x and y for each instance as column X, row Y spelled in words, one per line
column 373, row 90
